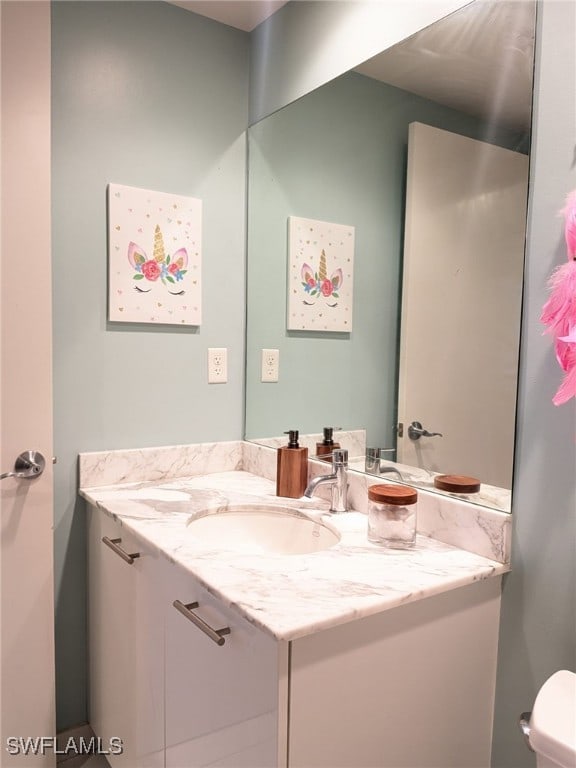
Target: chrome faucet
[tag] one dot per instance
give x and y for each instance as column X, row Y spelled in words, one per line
column 374, row 465
column 338, row 479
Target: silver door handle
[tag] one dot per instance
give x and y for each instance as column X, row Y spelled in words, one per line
column 416, row 431
column 28, row 465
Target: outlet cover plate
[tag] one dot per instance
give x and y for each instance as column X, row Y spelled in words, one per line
column 217, row 365
column 270, row 365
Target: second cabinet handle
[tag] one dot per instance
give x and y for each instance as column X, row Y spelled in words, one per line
column 113, row 544
column 213, row 634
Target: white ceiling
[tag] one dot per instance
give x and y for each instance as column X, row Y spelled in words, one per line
column 242, row 14
column 479, row 60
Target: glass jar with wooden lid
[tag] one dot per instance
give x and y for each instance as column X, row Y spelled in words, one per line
column 392, row 515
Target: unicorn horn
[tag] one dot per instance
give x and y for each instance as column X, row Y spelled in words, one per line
column 322, row 274
column 159, row 252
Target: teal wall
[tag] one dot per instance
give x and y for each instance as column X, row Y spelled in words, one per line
column 538, row 621
column 338, row 155
column 149, row 95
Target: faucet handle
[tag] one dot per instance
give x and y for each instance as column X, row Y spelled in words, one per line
column 372, row 463
column 373, row 456
column 340, row 457
column 376, row 453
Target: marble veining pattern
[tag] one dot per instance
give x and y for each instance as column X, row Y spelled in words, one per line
column 157, row 464
column 259, row 460
column 288, row 596
column 484, row 531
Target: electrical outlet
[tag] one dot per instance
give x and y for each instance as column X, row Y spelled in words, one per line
column 270, row 364
column 217, row 365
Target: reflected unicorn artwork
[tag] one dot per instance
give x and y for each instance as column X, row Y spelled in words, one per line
column 320, row 275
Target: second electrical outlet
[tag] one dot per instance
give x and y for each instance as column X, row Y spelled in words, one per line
column 217, row 365
column 270, row 364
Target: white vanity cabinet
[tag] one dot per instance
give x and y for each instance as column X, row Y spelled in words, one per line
column 157, row 681
column 221, row 700
column 410, row 687
column 126, row 637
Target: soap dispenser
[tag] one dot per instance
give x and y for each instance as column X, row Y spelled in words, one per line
column 291, row 468
column 326, row 447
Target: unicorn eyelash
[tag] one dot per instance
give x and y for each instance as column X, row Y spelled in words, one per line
column 177, row 293
column 141, row 290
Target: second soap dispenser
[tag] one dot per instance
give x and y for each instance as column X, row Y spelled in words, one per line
column 326, row 447
column 291, row 468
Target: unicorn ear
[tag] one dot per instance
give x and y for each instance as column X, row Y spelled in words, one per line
column 180, row 258
column 136, row 255
column 336, row 279
column 307, row 273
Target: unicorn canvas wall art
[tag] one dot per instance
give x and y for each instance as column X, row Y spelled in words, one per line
column 154, row 257
column 320, row 276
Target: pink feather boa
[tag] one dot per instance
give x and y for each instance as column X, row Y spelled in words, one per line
column 559, row 312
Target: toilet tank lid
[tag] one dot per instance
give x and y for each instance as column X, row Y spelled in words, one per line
column 553, row 720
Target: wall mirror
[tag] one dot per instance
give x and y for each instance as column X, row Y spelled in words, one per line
column 423, row 153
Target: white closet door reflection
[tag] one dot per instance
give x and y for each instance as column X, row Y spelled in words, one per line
column 463, row 261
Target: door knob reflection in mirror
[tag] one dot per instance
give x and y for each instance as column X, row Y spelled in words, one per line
column 28, row 465
column 416, row 431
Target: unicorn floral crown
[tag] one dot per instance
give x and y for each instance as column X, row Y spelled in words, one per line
column 318, row 283
column 161, row 265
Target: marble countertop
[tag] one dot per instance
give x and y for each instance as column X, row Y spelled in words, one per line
column 289, row 596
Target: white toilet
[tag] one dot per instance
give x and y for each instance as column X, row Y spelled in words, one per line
column 551, row 729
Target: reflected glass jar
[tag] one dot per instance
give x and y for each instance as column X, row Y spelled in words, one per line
column 392, row 515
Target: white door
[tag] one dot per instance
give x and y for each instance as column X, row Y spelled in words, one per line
column 26, row 536
column 462, row 288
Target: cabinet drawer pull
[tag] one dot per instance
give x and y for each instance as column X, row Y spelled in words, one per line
column 113, row 544
column 213, row 634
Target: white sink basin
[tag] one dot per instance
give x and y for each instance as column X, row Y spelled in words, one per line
column 264, row 529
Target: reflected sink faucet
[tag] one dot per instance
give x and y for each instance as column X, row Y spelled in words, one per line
column 374, row 465
column 391, row 470
column 338, row 479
